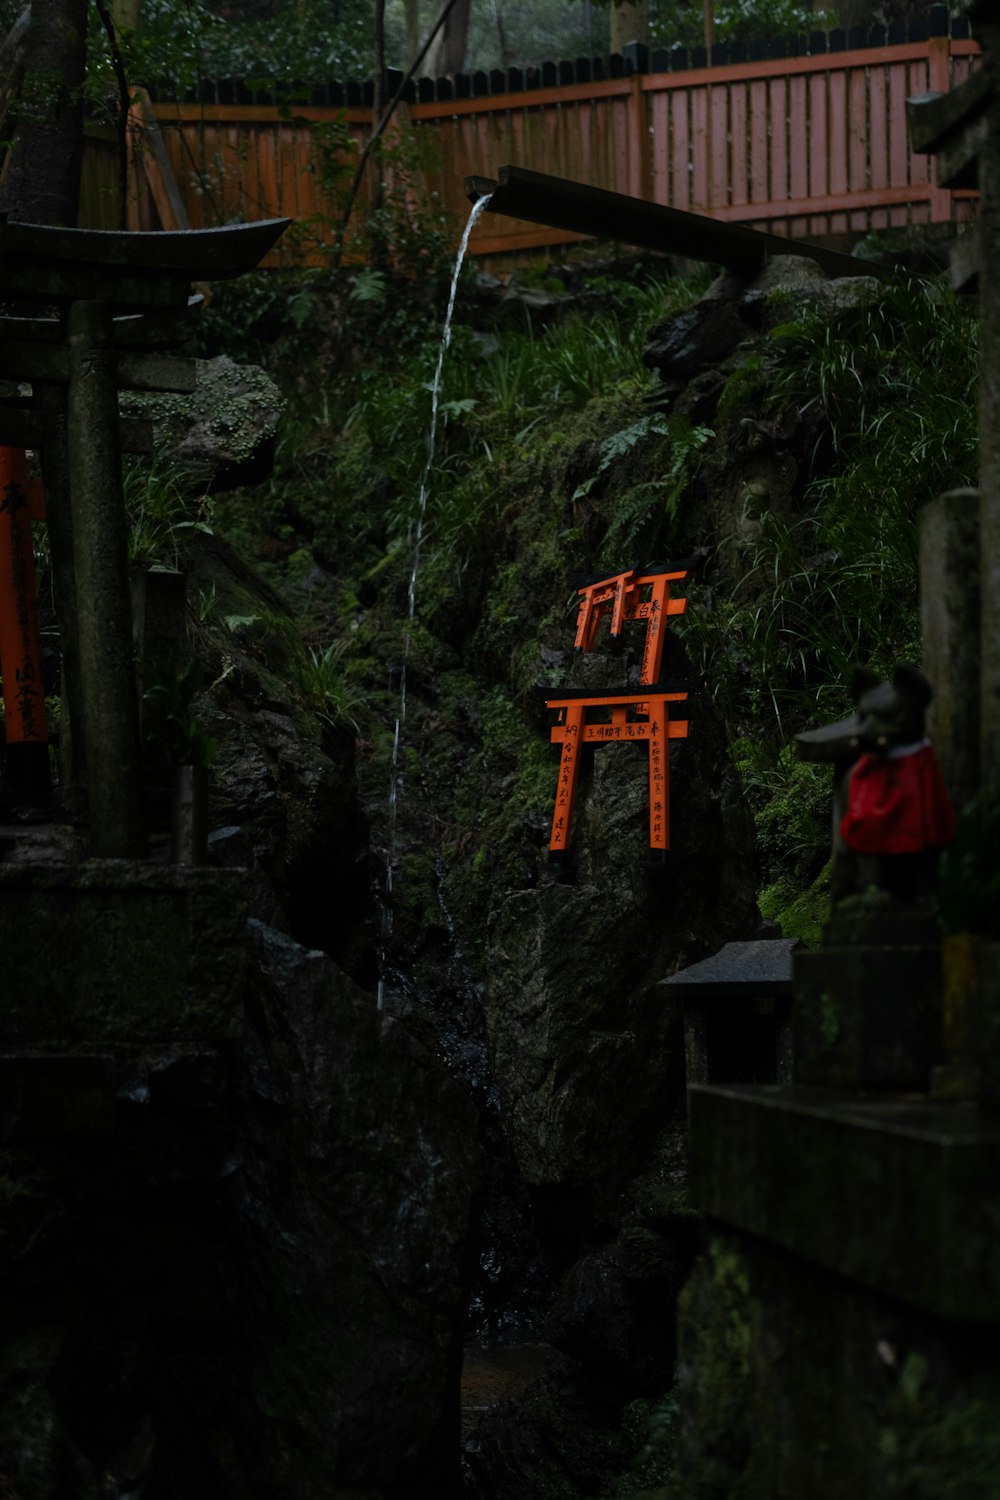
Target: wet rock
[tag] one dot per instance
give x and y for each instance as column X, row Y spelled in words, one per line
column 568, row 1037
column 352, row 1216
column 562, row 1438
column 692, row 340
column 251, row 1280
column 615, row 1308
column 283, row 803
column 789, row 284
column 587, row 1054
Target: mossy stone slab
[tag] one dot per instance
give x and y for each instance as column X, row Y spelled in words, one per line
column 867, row 1016
column 119, row 952
column 900, row 1194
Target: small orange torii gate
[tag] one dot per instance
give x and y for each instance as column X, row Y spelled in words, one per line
column 631, row 596
column 584, row 717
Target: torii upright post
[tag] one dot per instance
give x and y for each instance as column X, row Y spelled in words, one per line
column 110, row 710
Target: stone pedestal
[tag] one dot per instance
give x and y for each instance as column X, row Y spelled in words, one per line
column 838, row 1334
column 900, row 1194
column 115, row 953
column 867, row 1017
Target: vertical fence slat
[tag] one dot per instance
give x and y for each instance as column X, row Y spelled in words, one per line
column 720, row 172
column 878, row 141
column 837, row 144
column 680, row 132
column 617, row 169
column 659, row 121
column 899, row 151
column 699, row 143
column 819, row 166
column 778, row 109
column 758, row 142
column 798, row 150
column 739, row 158
column 637, row 177
column 857, row 142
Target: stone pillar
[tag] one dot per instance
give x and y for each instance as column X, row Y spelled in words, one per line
column 159, row 610
column 989, row 430
column 949, row 617
column 103, row 606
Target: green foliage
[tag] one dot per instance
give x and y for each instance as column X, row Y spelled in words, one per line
column 651, row 1427
column 168, row 720
column 837, row 583
column 902, row 434
column 324, row 677
column 935, row 1445
column 162, row 512
column 185, row 41
column 645, row 512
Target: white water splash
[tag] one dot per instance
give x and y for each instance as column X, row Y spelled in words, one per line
column 415, row 541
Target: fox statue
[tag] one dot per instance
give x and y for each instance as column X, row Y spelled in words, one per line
column 892, row 812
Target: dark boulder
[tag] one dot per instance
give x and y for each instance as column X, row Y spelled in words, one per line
column 615, row 1309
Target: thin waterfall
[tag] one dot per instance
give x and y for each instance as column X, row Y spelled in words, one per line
column 415, row 537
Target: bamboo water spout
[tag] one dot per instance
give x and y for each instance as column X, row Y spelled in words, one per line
column 581, row 209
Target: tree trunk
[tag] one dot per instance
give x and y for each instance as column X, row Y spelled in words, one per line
column 12, row 63
column 447, row 56
column 411, row 12
column 125, row 15
column 629, row 23
column 42, row 184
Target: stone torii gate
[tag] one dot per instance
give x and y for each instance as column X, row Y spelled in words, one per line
column 108, row 304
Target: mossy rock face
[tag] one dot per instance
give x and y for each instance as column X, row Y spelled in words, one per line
column 793, row 1381
column 223, row 433
column 582, row 1044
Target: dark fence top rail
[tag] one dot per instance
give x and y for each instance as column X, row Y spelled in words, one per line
column 635, row 59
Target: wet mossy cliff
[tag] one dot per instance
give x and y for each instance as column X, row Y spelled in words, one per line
column 253, row 1214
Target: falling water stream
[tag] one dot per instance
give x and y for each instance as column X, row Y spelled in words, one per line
column 415, row 541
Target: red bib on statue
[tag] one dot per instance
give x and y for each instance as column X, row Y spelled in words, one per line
column 898, row 804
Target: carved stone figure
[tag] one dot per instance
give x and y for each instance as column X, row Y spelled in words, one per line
column 892, row 814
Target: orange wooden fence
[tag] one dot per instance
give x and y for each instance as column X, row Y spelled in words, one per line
column 808, row 145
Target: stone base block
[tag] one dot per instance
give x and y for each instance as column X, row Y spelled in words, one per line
column 118, row 952
column 867, row 1017
column 899, row 1194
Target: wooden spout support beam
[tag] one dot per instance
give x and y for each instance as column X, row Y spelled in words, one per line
column 581, row 209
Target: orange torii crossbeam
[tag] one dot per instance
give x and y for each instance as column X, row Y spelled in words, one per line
column 631, row 596
column 622, row 717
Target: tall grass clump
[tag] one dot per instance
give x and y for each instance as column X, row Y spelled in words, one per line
column 837, row 581
column 890, row 389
